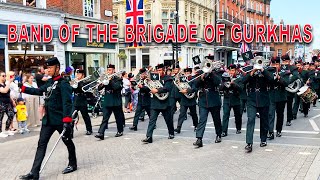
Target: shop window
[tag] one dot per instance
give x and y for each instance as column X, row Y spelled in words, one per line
column 23, row 47
column 38, row 47
column 145, row 60
column 49, row 47
column 145, row 50
column 133, row 63
column 13, row 46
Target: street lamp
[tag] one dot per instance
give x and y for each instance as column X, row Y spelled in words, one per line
column 176, row 13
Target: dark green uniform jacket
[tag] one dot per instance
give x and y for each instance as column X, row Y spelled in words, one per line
column 193, row 89
column 144, row 98
column 58, row 102
column 231, row 95
column 209, row 90
column 294, row 76
column 166, row 82
column 80, row 98
column 314, row 80
column 112, row 95
column 277, row 92
column 257, row 88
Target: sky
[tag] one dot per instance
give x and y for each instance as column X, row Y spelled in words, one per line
column 298, row 12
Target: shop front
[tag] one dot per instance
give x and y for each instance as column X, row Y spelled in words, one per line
column 91, row 56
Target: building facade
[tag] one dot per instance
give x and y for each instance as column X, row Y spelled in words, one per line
column 230, row 12
column 163, row 12
column 80, row 54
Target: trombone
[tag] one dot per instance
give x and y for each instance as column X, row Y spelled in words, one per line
column 207, row 66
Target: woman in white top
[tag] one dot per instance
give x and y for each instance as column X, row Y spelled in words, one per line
column 32, row 102
column 126, row 92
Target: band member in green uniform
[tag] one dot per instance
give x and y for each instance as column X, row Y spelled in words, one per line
column 58, row 107
column 112, row 103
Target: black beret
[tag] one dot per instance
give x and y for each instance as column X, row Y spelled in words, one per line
column 273, row 59
column 196, row 60
column 80, row 71
column 314, row 58
column 111, row 66
column 232, row 66
column 142, row 70
column 130, row 75
column 210, row 57
column 285, row 57
column 167, row 63
column 311, row 64
column 52, row 61
column 160, row 66
column 177, row 66
column 187, row 69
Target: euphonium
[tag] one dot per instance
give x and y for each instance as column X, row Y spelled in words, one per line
column 183, row 85
column 155, row 84
column 74, row 83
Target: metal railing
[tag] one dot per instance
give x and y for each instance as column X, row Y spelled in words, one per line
column 229, row 17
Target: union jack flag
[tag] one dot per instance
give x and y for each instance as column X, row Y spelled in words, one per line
column 134, row 16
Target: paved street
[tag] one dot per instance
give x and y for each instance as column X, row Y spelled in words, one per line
column 293, row 156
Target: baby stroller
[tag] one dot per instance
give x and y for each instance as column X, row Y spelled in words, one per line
column 94, row 103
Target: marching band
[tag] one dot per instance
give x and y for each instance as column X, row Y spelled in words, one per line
column 260, row 87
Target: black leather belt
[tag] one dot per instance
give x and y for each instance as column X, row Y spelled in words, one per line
column 257, row 90
column 277, row 88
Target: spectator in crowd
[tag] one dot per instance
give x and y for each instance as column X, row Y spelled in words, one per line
column 22, row 116
column 6, row 103
column 32, row 102
column 126, row 92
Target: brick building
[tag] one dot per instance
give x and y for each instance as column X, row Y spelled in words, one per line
column 57, row 12
column 230, row 12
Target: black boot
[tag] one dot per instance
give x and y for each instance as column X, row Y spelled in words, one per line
column 279, row 134
column 238, row 132
column 88, row 133
column 119, row 134
column 171, row 136
column 271, row 136
column 178, row 130
column 288, row 123
column 198, row 143
column 134, row 128
column 100, row 136
column 30, row 176
column 263, row 144
column 248, row 148
column 224, row 134
column 147, row 140
column 69, row 169
column 218, row 139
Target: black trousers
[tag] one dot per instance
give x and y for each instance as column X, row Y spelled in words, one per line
column 174, row 106
column 251, row 113
column 226, row 116
column 140, row 109
column 280, row 115
column 153, row 120
column 305, row 108
column 204, row 112
column 289, row 108
column 85, row 115
column 8, row 109
column 243, row 104
column 45, row 135
column 183, row 115
column 118, row 114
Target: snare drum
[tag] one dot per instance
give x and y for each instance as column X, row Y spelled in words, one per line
column 307, row 94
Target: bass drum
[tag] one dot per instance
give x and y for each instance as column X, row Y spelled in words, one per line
column 307, row 94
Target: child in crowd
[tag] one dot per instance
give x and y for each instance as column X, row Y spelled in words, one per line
column 22, row 115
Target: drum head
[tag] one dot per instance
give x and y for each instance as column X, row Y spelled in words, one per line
column 302, row 90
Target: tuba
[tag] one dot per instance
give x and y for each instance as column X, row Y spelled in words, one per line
column 155, row 84
column 183, row 85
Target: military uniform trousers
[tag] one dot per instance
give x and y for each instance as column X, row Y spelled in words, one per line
column 215, row 113
column 45, row 135
column 243, row 103
column 139, row 112
column 226, row 116
column 174, row 106
column 251, row 112
column 305, row 108
column 276, row 107
column 296, row 105
column 118, row 114
column 153, row 120
column 183, row 115
column 289, row 108
column 85, row 115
